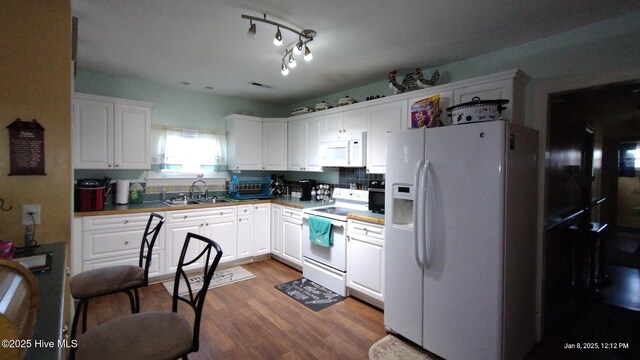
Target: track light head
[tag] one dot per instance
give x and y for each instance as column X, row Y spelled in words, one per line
column 277, row 40
column 292, row 61
column 252, row 29
column 307, row 54
column 284, row 70
column 297, row 49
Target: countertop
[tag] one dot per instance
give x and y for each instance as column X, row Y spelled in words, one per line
column 283, row 200
column 49, row 308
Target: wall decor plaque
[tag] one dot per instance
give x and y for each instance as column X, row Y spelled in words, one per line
column 26, row 148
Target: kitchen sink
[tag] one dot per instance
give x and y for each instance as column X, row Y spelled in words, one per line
column 194, row 202
column 181, row 202
column 211, row 201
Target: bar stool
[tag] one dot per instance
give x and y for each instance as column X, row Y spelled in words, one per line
column 113, row 279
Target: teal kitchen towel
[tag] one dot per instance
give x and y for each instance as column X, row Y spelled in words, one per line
column 320, row 231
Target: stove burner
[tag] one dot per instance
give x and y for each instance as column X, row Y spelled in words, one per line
column 333, row 211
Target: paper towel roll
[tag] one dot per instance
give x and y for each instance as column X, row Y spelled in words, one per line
column 122, row 192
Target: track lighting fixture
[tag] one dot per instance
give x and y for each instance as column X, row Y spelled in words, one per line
column 252, row 29
column 277, row 40
column 296, row 48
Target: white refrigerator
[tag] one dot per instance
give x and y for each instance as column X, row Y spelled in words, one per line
column 460, row 239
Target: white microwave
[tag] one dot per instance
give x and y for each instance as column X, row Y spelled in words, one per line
column 350, row 152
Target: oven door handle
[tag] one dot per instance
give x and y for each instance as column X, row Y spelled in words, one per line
column 333, row 222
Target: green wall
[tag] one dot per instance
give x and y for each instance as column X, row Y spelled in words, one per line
column 174, row 106
column 612, row 44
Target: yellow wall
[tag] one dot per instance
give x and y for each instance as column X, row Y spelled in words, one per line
column 35, row 83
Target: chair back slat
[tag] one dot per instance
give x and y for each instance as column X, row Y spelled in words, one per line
column 196, row 300
column 149, row 238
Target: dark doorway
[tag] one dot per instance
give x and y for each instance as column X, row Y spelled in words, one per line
column 585, row 128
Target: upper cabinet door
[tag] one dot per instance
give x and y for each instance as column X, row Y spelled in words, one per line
column 314, row 132
column 132, row 125
column 274, row 145
column 244, row 143
column 92, row 134
column 382, row 119
column 296, row 145
column 110, row 133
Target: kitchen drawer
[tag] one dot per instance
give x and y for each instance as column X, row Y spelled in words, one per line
column 365, row 228
column 195, row 215
column 128, row 221
column 245, row 210
column 116, row 242
column 292, row 213
column 157, row 263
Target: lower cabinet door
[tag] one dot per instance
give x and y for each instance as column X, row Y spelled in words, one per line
column 175, row 236
column 365, row 266
column 291, row 240
column 224, row 231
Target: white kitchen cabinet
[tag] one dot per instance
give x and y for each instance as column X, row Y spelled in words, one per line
column 314, row 132
column 503, row 89
column 292, row 235
column 365, row 258
column 115, row 240
column 261, row 229
column 296, row 145
column 256, row 144
column 383, row 118
column 218, row 224
column 222, row 227
column 303, row 138
column 274, row 144
column 110, row 133
column 276, row 229
column 246, row 237
column 244, row 142
column 177, row 226
column 339, row 125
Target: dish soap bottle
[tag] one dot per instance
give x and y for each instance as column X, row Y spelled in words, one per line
column 135, row 193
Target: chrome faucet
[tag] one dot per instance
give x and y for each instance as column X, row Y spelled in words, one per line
column 206, row 191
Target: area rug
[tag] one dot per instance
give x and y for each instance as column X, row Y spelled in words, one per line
column 392, row 348
column 220, row 278
column 309, row 294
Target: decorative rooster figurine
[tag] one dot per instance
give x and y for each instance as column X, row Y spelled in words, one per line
column 422, row 83
column 393, row 84
column 410, row 82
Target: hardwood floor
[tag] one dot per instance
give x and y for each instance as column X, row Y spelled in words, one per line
column 253, row 320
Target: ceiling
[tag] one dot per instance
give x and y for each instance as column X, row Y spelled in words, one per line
column 205, row 43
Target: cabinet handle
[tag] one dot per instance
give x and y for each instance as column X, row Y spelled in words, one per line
column 117, row 165
column 126, row 221
column 126, row 242
column 109, row 165
column 221, row 213
column 201, row 225
column 185, row 216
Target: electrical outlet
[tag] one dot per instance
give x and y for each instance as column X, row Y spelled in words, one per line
column 28, row 209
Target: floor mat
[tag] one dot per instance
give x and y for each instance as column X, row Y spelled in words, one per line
column 220, row 278
column 392, row 348
column 309, row 294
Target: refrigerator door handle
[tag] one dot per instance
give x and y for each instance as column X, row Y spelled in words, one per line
column 424, row 223
column 416, row 210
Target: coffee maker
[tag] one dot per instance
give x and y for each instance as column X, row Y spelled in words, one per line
column 305, row 188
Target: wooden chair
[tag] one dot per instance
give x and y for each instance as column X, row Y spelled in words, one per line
column 114, row 279
column 18, row 297
column 159, row 334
